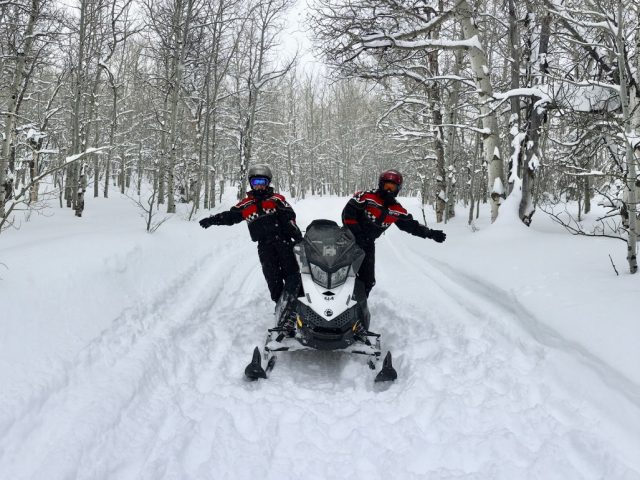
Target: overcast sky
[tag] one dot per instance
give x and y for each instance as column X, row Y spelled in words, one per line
column 297, row 37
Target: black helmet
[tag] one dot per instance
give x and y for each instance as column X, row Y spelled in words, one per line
column 260, row 170
column 390, row 176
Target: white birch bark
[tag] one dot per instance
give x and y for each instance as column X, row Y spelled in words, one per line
column 630, row 136
column 15, row 98
column 480, row 67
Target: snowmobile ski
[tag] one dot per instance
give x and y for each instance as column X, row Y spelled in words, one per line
column 388, row 373
column 254, row 370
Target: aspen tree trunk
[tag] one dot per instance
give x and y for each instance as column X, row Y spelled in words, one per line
column 207, row 164
column 81, row 185
column 162, row 161
column 112, row 131
column 212, row 163
column 515, row 163
column 441, row 175
column 537, row 114
column 472, row 179
column 587, row 193
column 7, row 158
column 195, row 189
column 96, row 135
column 481, row 71
column 435, row 101
column 34, row 167
column 180, row 35
column 96, row 176
column 140, row 173
column 76, row 133
column 452, row 117
column 291, row 145
column 205, row 175
column 630, row 159
column 127, row 175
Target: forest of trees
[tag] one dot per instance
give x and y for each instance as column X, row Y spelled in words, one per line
column 172, row 100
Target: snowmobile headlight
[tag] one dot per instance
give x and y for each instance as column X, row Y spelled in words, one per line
column 319, row 275
column 340, row 276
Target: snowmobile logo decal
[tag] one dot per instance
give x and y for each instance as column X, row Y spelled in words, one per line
column 329, row 251
column 328, row 312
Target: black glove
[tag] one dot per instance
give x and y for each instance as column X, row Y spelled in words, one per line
column 296, row 236
column 207, row 222
column 436, row 235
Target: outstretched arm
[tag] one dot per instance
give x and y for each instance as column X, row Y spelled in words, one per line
column 230, row 217
column 408, row 224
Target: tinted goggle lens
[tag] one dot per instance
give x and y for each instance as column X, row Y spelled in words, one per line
column 259, row 181
column 390, row 186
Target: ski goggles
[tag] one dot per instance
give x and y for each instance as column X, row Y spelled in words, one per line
column 390, row 186
column 259, row 181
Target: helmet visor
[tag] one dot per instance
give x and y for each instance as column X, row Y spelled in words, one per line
column 258, row 182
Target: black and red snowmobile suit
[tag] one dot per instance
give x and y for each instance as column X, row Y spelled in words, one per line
column 368, row 214
column 272, row 223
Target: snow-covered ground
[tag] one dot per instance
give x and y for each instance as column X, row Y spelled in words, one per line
column 122, row 356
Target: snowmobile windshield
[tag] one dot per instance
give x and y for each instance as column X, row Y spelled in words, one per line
column 331, row 253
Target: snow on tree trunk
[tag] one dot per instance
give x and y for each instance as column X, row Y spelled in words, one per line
column 539, row 41
column 479, row 65
column 515, row 134
column 20, row 76
column 631, row 119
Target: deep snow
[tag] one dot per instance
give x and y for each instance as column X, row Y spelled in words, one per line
column 121, row 356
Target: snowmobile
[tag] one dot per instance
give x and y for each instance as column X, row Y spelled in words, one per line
column 331, row 311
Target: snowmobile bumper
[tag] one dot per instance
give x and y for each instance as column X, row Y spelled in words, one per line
column 292, row 344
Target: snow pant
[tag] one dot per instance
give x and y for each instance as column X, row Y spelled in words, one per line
column 367, row 271
column 280, row 268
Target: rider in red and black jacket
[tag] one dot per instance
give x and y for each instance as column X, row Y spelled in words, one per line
column 368, row 214
column 272, row 223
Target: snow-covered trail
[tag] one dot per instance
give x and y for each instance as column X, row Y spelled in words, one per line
column 160, row 394
column 120, row 391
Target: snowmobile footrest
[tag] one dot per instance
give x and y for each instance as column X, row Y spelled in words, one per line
column 254, row 370
column 388, row 373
